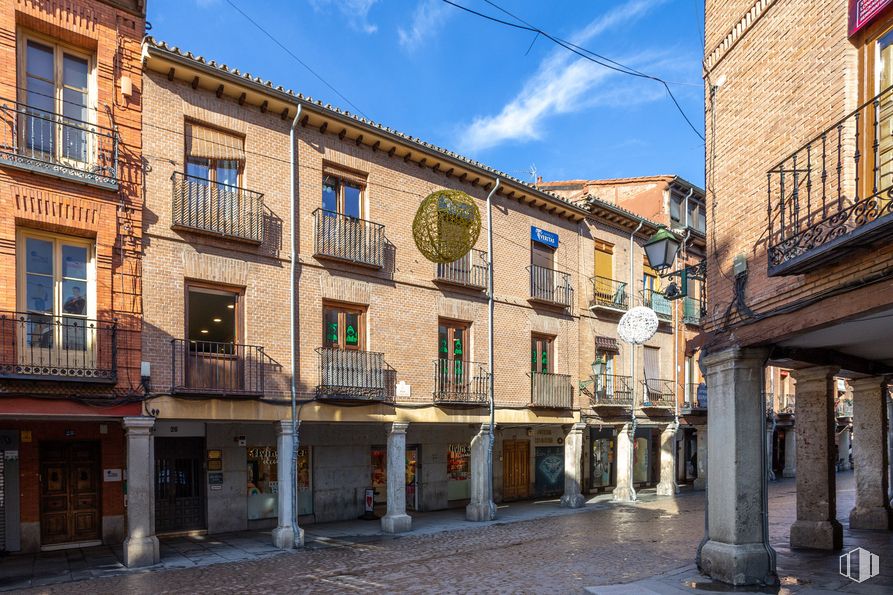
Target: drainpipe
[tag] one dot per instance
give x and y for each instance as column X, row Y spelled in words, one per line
column 632, row 346
column 292, row 295
column 676, row 329
column 490, row 358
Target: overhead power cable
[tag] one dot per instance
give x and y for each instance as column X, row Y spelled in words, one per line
column 584, row 53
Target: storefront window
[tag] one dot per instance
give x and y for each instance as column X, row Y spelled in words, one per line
column 602, row 461
column 380, row 475
column 263, row 484
column 641, row 460
column 458, row 469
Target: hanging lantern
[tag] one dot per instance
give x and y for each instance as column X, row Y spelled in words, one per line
column 446, row 226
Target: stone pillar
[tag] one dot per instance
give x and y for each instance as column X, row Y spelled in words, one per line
column 843, row 450
column 790, row 453
column 141, row 545
column 816, row 525
column 284, row 536
column 624, row 490
column 770, row 445
column 667, row 485
column 701, row 480
column 481, row 507
column 736, row 549
column 396, row 520
column 889, row 445
column 872, row 510
column 573, row 471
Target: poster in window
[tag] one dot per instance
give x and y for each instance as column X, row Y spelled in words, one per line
column 458, row 462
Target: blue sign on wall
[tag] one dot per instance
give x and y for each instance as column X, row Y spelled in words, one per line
column 544, row 237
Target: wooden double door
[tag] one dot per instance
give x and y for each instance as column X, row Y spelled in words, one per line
column 515, row 469
column 70, row 492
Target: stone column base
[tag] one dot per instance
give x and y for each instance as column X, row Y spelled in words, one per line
column 284, row 538
column 744, row 564
column 699, row 483
column 871, row 518
column 396, row 523
column 141, row 552
column 667, row 489
column 624, row 494
column 817, row 535
column 575, row 501
column 483, row 511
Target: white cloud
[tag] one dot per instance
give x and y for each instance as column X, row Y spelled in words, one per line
column 427, row 19
column 562, row 84
column 356, row 12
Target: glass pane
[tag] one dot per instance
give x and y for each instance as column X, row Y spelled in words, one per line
column 39, row 294
column 74, row 297
column 39, row 256
column 74, row 72
column 442, row 347
column 228, row 173
column 330, row 195
column 74, row 333
column 352, row 206
column 212, row 321
column 675, row 204
column 352, row 329
column 458, row 343
column 40, row 331
column 74, row 262
column 330, row 327
column 198, row 168
column 40, row 95
column 39, row 59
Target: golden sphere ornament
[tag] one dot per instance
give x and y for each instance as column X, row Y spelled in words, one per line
column 446, row 226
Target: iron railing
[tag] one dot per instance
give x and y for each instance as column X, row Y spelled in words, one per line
column 551, row 390
column 456, row 381
column 218, row 209
column 346, row 238
column 657, row 302
column 837, row 186
column 551, row 286
column 218, row 369
column 53, row 144
column 844, row 408
column 611, row 389
column 46, row 347
column 609, row 293
column 788, row 403
column 469, row 271
column 691, row 311
column 658, row 392
column 354, row 375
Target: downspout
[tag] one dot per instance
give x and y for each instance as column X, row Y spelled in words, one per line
column 632, row 346
column 490, row 302
column 292, row 295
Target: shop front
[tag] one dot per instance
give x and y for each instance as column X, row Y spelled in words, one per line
column 644, row 457
column 263, row 483
column 602, row 459
column 549, row 464
column 458, row 472
column 380, row 475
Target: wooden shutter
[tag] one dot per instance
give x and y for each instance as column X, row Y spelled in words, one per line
column 204, row 142
column 652, row 363
column 604, row 261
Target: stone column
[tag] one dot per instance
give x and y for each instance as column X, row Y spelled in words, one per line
column 284, row 536
column 790, row 453
column 872, row 510
column 141, row 545
column 573, row 471
column 770, row 445
column 816, row 525
column 667, row 485
column 736, row 549
column 843, row 450
column 624, row 490
column 889, row 445
column 396, row 520
column 701, row 480
column 481, row 507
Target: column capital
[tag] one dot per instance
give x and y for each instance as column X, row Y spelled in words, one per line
column 399, row 427
column 284, row 427
column 815, row 373
column 752, row 354
column 142, row 424
column 867, row 384
column 485, row 428
column 578, row 427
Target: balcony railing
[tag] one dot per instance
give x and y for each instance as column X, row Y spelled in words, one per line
column 691, row 311
column 468, row 271
column 611, row 390
column 834, row 191
column 551, row 390
column 788, row 403
column 461, row 382
column 609, row 294
column 217, row 369
column 844, row 408
column 657, row 302
column 217, row 209
column 46, row 347
column 658, row 392
column 550, row 286
column 348, row 239
column 346, row 374
column 53, row 144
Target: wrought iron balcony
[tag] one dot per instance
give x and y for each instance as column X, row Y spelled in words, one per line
column 53, row 144
column 844, row 408
column 217, row 369
column 834, row 193
column 609, row 391
column 45, row 347
column 609, row 294
column 788, row 403
column 657, row 302
column 347, row 239
column 217, row 209
column 352, row 375
column 658, row 394
column 551, row 390
column 549, row 286
column 691, row 311
column 459, row 382
column 469, row 271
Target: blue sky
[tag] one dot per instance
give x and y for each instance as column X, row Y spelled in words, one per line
column 496, row 94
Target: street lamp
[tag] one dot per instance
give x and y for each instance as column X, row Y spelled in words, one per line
column 598, row 366
column 661, row 249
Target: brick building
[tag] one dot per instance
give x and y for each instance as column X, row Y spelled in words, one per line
column 70, row 243
column 797, row 166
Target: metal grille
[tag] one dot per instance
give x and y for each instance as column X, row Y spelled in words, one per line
column 548, row 285
column 218, row 209
column 551, row 390
column 347, row 238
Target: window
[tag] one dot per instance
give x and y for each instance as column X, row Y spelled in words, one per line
column 342, row 195
column 452, row 355
column 541, row 354
column 676, row 208
column 211, row 319
column 343, row 327
column 604, row 260
column 541, row 255
column 56, row 83
column 696, row 216
column 884, row 79
column 214, row 163
column 649, row 278
column 604, row 380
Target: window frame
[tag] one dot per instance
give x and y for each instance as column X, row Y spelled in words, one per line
column 451, row 326
column 219, row 289
column 343, row 310
column 343, row 180
column 869, row 75
column 540, row 343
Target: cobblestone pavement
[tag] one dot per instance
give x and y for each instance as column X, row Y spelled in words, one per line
column 605, row 546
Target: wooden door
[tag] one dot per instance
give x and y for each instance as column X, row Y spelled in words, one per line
column 179, row 484
column 515, row 469
column 70, row 499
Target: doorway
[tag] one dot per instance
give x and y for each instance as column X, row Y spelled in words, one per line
column 179, row 484
column 70, row 498
column 515, row 469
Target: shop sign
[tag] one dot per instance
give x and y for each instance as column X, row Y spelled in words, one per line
column 369, row 500
column 403, row 389
column 11, row 455
column 215, row 478
column 265, row 454
column 458, row 462
column 547, row 238
column 111, row 475
column 26, row 435
column 862, row 12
